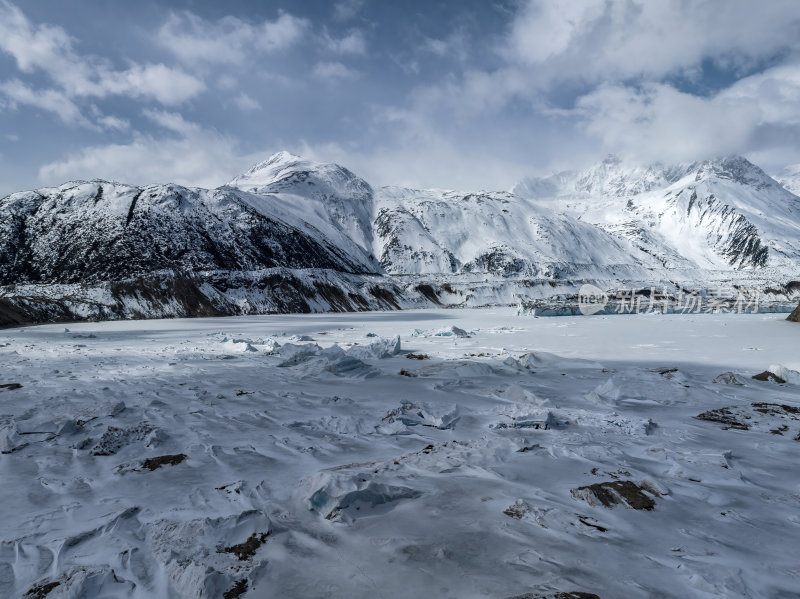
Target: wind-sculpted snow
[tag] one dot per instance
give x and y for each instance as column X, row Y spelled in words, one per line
column 285, row 456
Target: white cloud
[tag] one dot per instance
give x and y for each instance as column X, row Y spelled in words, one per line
column 172, row 121
column 344, row 10
column 113, row 123
column 546, row 29
column 334, row 70
column 436, row 162
column 775, row 91
column 245, row 102
column 352, row 43
column 188, row 155
column 600, row 75
column 227, row 82
column 658, row 122
column 50, row 100
column 12, row 137
column 552, row 45
column 48, row 48
column 454, row 46
column 164, row 84
column 598, row 40
column 229, row 40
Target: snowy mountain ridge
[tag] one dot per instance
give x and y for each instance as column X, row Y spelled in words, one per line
column 326, row 195
column 717, row 214
column 292, row 235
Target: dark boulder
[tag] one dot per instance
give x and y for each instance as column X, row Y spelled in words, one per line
column 795, row 316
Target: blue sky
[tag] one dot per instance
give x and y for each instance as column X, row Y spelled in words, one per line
column 464, row 94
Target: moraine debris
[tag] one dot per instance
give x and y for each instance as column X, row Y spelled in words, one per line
column 769, row 376
column 617, row 492
column 723, row 416
column 237, row 590
column 40, row 591
column 163, row 460
column 247, row 549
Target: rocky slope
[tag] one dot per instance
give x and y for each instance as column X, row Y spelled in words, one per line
column 795, row 316
column 100, row 231
column 104, row 250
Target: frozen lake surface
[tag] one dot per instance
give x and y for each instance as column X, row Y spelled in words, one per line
column 312, row 456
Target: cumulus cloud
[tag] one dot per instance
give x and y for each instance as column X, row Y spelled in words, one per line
column 51, row 100
column 595, row 40
column 187, row 154
column 545, row 29
column 49, row 49
column 172, row 121
column 229, row 40
column 550, row 45
column 538, row 84
column 352, row 43
column 657, row 122
column 439, row 162
column 333, row 71
column 246, row 103
column 631, row 77
column 164, row 84
column 113, row 123
column 344, row 10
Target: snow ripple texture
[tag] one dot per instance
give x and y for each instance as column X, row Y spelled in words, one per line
column 352, row 456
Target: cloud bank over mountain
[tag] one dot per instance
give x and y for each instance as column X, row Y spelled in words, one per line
column 470, row 94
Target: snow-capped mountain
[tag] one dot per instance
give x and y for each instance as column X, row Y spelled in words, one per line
column 723, row 214
column 327, row 196
column 789, row 178
column 498, row 233
column 291, row 235
column 101, row 250
column 99, row 231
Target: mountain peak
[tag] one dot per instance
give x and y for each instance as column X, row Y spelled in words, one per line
column 612, row 160
column 270, row 170
column 285, row 172
column 283, row 156
column 735, row 168
column 277, row 161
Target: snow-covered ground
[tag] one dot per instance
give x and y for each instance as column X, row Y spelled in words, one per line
column 250, row 457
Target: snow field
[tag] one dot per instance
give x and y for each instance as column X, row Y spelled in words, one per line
column 459, row 453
